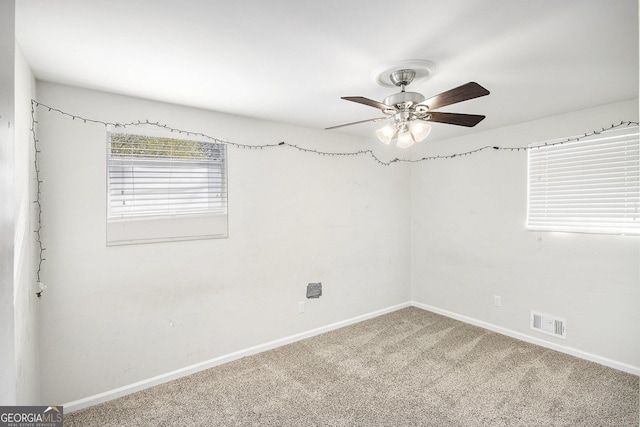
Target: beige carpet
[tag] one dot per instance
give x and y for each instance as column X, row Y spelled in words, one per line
column 407, row 368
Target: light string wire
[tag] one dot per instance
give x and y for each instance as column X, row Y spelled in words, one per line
column 323, row 153
column 532, row 146
column 40, row 248
column 35, row 104
column 213, row 139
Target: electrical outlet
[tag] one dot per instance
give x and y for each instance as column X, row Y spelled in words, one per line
column 497, row 301
column 301, row 307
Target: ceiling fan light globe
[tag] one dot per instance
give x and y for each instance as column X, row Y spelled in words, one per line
column 419, row 130
column 405, row 139
column 385, row 134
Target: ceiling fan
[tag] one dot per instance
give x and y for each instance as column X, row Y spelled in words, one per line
column 409, row 112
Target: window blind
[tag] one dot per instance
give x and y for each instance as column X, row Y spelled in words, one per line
column 152, row 176
column 591, row 185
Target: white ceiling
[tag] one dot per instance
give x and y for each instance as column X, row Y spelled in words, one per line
column 291, row 60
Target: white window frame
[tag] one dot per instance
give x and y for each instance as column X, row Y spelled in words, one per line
column 191, row 221
column 588, row 184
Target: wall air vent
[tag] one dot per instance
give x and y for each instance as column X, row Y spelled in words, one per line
column 548, row 324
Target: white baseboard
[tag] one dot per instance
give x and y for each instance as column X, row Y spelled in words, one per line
column 523, row 337
column 169, row 376
column 160, row 379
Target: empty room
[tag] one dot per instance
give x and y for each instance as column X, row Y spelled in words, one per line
column 331, row 213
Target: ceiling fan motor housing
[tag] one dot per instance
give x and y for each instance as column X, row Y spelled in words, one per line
column 404, row 99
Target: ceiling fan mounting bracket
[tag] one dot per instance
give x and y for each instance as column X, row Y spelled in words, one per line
column 402, row 78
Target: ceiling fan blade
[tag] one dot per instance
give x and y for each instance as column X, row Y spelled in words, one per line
column 367, row 101
column 461, row 93
column 468, row 120
column 377, row 119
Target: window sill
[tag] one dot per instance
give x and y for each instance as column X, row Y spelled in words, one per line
column 166, row 229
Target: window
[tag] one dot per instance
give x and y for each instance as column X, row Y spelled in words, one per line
column 163, row 189
column 591, row 185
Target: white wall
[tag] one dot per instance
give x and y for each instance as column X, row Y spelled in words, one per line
column 112, row 316
column 7, row 194
column 469, row 243
column 25, row 300
column 19, row 382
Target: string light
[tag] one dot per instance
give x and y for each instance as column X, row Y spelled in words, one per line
column 528, row 147
column 38, row 231
column 309, row 150
column 34, row 104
